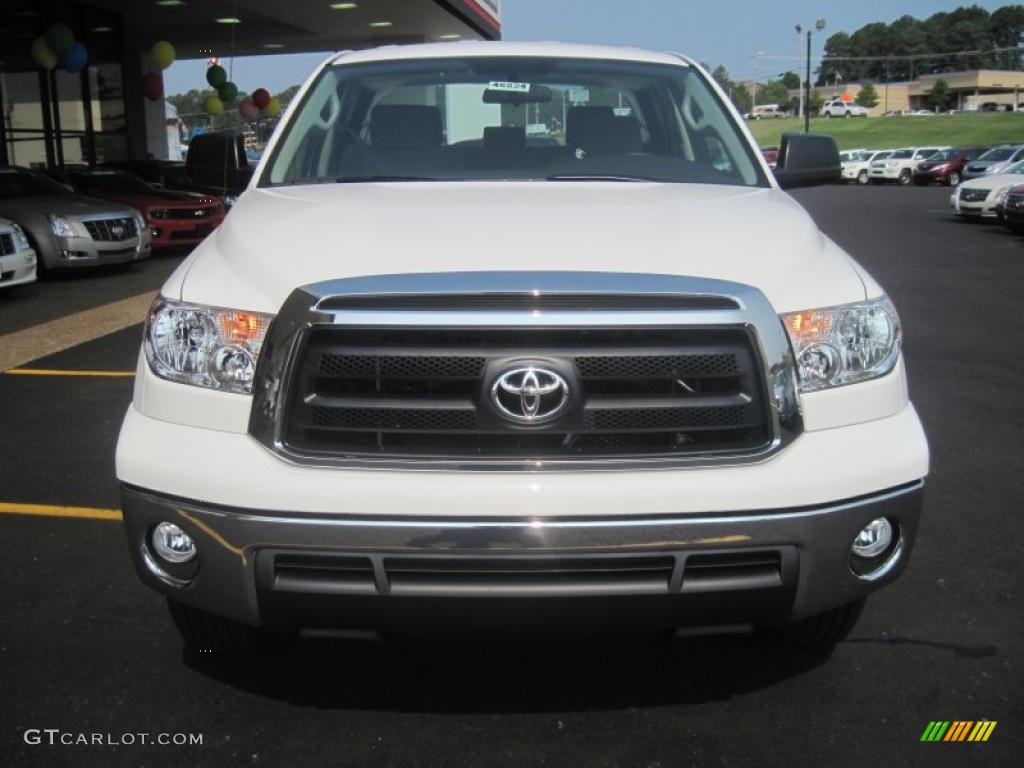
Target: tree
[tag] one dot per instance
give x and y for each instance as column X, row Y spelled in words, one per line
column 816, row 103
column 867, row 96
column 774, row 93
column 939, row 95
column 791, row 80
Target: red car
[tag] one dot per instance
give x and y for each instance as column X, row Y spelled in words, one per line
column 771, row 154
column 1010, row 209
column 175, row 218
column 946, row 166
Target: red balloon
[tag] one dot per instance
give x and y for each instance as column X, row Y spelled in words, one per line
column 153, row 86
column 261, row 97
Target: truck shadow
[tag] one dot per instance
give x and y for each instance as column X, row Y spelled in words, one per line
column 488, row 676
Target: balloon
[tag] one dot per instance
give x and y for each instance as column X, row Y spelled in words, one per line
column 60, row 38
column 261, row 97
column 248, row 109
column 162, row 53
column 75, row 59
column 216, row 75
column 42, row 55
column 273, row 108
column 153, row 86
column 228, row 92
column 213, row 105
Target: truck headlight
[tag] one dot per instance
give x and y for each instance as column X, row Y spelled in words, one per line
column 204, row 346
column 845, row 344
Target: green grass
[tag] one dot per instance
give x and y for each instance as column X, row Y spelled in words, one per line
column 889, row 132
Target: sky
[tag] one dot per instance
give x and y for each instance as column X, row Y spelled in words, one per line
column 752, row 38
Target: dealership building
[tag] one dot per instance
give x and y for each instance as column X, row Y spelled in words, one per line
column 55, row 117
column 969, row 91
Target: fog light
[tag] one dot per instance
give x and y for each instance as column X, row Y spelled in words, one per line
column 173, row 544
column 873, row 539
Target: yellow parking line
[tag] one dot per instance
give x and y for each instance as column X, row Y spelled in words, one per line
column 20, row 347
column 53, row 510
column 46, row 372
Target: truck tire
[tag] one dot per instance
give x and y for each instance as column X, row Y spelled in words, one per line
column 820, row 631
column 906, row 175
column 847, row 114
column 206, row 633
column 862, row 177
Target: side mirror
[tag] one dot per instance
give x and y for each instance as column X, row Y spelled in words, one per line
column 807, row 160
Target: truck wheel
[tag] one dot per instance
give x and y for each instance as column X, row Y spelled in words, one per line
column 862, row 177
column 206, row 633
column 847, row 114
column 819, row 631
column 905, row 177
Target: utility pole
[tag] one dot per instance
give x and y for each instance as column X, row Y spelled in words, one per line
column 819, row 25
column 800, row 68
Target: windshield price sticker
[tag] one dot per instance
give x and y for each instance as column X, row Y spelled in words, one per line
column 502, row 85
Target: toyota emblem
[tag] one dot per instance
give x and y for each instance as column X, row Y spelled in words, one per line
column 530, row 395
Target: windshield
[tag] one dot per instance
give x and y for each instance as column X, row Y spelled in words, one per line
column 512, row 118
column 112, row 182
column 1016, row 168
column 999, row 153
column 947, row 154
column 15, row 183
column 902, row 154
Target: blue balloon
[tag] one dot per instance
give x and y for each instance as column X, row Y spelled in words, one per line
column 75, row 59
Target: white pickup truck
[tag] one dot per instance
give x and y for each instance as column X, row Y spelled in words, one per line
column 434, row 373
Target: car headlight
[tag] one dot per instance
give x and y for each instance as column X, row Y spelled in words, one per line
column 20, row 239
column 204, row 346
column 845, row 344
column 62, row 227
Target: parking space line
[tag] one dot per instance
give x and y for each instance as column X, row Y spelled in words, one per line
column 54, row 510
column 20, row 347
column 48, row 372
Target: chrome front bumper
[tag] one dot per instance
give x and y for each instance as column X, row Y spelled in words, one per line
column 467, row 568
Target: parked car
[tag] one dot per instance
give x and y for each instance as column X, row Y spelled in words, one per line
column 900, row 164
column 17, row 259
column 921, row 113
column 857, row 162
column 898, row 113
column 174, row 218
column 69, row 231
column 1010, row 208
column 840, row 108
column 976, row 199
column 771, row 156
column 946, row 166
column 388, row 421
column 994, row 161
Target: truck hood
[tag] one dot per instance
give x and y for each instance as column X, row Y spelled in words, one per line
column 276, row 239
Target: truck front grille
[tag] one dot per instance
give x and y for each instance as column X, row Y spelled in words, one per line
column 426, row 393
column 111, row 230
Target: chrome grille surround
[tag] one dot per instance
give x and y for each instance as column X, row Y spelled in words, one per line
column 517, row 301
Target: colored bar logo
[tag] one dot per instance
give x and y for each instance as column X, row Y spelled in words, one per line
column 958, row 730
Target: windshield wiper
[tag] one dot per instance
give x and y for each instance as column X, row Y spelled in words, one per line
column 383, row 177
column 598, row 177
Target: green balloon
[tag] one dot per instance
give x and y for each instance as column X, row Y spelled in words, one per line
column 216, row 76
column 228, row 92
column 60, row 38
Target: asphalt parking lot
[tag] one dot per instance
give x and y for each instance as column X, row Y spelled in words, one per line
column 85, row 648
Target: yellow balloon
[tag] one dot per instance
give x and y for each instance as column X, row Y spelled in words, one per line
column 162, row 53
column 42, row 55
column 273, row 108
column 213, row 105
